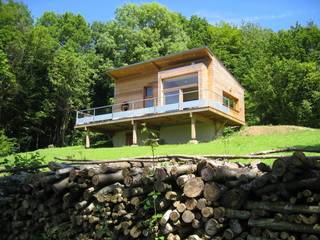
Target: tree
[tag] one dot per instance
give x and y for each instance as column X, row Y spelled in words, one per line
column 67, row 28
column 15, row 22
column 198, row 30
column 8, row 87
column 141, row 32
column 69, row 75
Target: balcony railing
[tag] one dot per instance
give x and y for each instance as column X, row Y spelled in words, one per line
column 137, row 108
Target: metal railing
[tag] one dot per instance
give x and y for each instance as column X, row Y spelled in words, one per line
column 169, row 102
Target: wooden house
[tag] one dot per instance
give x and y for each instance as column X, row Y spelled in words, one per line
column 185, row 97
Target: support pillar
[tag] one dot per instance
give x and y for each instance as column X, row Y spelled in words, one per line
column 134, row 133
column 193, row 129
column 87, row 145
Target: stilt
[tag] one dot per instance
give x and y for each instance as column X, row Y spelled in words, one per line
column 193, row 129
column 87, row 138
column 134, row 134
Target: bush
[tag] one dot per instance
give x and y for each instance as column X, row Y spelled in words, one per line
column 7, row 145
column 31, row 162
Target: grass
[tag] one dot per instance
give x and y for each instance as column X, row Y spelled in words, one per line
column 235, row 144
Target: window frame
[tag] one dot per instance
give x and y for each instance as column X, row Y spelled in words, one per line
column 230, row 99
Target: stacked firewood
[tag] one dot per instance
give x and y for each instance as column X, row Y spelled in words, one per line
column 199, row 199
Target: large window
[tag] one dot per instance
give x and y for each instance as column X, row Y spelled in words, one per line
column 183, row 88
column 181, row 81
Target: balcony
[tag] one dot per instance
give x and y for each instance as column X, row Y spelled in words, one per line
column 175, row 102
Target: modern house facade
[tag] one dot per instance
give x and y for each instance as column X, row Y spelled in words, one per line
column 185, row 97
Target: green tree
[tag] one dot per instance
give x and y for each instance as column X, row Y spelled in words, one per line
column 69, row 75
column 141, row 32
column 8, row 87
column 67, row 28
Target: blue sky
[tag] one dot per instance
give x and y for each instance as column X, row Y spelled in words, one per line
column 275, row 14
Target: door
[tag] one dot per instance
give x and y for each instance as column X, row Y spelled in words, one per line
column 129, row 137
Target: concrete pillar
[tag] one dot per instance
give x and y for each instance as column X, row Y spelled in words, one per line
column 193, row 129
column 87, row 145
column 134, row 133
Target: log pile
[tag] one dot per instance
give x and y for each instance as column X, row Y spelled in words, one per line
column 200, row 199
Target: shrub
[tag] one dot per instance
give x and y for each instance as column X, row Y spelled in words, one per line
column 7, row 145
column 30, row 162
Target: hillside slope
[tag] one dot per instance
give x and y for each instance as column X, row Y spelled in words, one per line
column 239, row 143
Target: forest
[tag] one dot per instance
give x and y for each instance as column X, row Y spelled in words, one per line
column 56, row 64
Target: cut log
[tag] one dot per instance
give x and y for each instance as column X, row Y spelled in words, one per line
column 207, row 212
column 165, row 217
column 187, row 216
column 191, row 203
column 212, row 227
column 221, row 212
column 62, row 185
column 101, row 194
column 193, row 187
column 181, row 180
column 234, row 198
column 183, row 169
column 174, row 216
column 283, row 226
column 105, row 179
column 201, row 203
column 283, row 207
column 211, row 192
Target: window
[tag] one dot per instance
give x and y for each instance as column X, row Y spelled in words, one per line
column 148, row 92
column 181, row 81
column 148, row 97
column 229, row 101
column 171, row 97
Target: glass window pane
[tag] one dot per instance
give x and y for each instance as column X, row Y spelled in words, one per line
column 171, row 97
column 180, row 81
column 225, row 101
column 148, row 103
column 190, row 94
column 229, row 102
column 149, row 92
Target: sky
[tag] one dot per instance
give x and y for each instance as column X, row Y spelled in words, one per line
column 274, row 14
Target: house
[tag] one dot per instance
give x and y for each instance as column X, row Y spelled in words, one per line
column 186, row 97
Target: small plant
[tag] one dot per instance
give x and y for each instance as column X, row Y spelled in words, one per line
column 150, row 201
column 151, row 139
column 29, row 162
column 7, row 145
column 226, row 134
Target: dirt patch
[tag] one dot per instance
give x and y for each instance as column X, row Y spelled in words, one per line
column 265, row 130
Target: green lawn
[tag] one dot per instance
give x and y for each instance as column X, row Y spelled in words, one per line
column 235, row 144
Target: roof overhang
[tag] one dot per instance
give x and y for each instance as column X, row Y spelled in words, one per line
column 156, row 64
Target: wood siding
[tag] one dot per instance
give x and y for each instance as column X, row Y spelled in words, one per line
column 132, row 88
column 223, row 81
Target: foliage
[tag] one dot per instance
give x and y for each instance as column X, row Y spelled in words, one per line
column 57, row 64
column 7, row 145
column 151, row 138
column 28, row 161
column 69, row 76
column 150, row 204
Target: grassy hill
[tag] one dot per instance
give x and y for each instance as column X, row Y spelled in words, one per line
column 247, row 141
